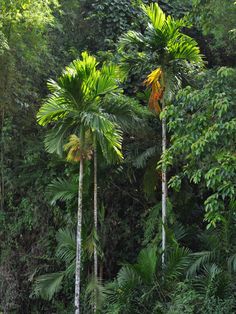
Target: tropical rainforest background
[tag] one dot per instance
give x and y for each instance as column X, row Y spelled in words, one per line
column 38, row 206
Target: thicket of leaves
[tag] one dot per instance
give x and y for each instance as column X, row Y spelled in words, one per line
column 38, row 190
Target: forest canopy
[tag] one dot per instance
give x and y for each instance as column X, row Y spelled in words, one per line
column 118, row 156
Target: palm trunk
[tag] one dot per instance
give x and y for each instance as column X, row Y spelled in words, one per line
column 164, row 189
column 95, row 216
column 79, row 229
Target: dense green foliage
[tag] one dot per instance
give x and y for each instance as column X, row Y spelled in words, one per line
column 38, row 187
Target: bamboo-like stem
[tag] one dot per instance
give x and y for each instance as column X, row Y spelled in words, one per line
column 95, row 217
column 164, row 188
column 79, row 228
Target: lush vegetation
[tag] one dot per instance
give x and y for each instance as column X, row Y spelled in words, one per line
column 118, row 163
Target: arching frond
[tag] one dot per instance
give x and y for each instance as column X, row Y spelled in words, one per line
column 155, row 15
column 61, row 189
column 185, row 49
column 211, row 281
column 132, row 38
column 147, row 263
column 47, row 285
column 232, row 263
column 178, row 261
column 55, row 108
column 128, row 278
column 95, row 289
column 200, row 259
column 141, row 160
column 66, row 249
column 56, row 138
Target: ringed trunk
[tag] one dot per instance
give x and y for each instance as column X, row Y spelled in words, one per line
column 95, row 216
column 78, row 234
column 164, row 189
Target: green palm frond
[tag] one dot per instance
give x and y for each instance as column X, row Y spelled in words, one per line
column 107, row 133
column 132, row 38
column 55, row 138
column 200, row 260
column 94, row 289
column 178, row 261
column 61, row 189
column 125, row 112
column 141, row 160
column 232, row 263
column 155, row 15
column 46, row 286
column 128, row 278
column 206, row 284
column 185, row 49
column 55, row 108
column 147, row 263
column 107, row 80
column 66, row 249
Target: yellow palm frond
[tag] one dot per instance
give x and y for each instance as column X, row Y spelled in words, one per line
column 73, row 148
column 155, row 80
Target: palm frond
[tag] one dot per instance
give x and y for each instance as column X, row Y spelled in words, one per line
column 141, row 160
column 46, row 286
column 55, row 108
column 131, row 38
column 56, row 137
column 125, row 112
column 155, row 14
column 66, row 249
column 206, row 284
column 177, row 262
column 147, row 263
column 61, row 189
column 186, row 49
column 232, row 263
column 200, row 259
column 128, row 278
column 108, row 134
column 95, row 291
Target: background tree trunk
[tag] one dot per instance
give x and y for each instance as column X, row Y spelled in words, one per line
column 79, row 229
column 95, row 216
column 2, row 161
column 164, row 189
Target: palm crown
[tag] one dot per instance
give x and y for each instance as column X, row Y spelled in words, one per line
column 164, row 50
column 76, row 100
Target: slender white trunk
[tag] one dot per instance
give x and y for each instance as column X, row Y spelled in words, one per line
column 164, row 190
column 95, row 216
column 78, row 238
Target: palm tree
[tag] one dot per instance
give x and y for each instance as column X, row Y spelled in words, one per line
column 171, row 56
column 138, row 286
column 74, row 107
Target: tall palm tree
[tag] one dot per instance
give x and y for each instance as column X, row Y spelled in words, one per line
column 74, row 108
column 170, row 55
